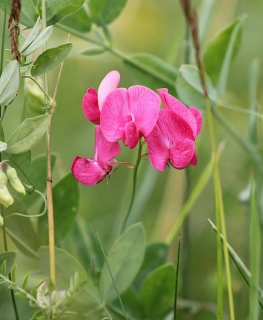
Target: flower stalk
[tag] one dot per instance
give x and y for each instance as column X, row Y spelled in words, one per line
column 191, row 18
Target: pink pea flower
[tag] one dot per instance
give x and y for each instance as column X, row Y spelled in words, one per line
column 172, row 139
column 129, row 114
column 92, row 101
column 92, row 171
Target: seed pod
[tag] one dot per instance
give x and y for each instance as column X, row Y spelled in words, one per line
column 14, row 181
column 5, row 197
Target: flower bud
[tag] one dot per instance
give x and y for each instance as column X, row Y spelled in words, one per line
column 5, row 197
column 14, row 181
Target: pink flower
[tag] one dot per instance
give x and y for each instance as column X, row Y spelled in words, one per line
column 92, row 171
column 92, row 101
column 129, row 114
column 172, row 139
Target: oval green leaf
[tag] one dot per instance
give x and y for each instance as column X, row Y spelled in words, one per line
column 78, row 21
column 28, row 134
column 66, row 267
column 112, row 9
column 50, row 59
column 32, row 36
column 9, row 82
column 152, row 71
column 155, row 256
column 125, row 258
column 157, row 292
column 9, row 258
column 189, row 88
column 58, row 10
column 40, row 40
column 93, row 51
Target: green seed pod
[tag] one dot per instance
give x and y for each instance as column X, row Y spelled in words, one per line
column 5, row 197
column 14, row 181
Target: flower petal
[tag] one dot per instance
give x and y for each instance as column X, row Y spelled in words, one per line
column 194, row 160
column 182, row 153
column 144, row 108
column 90, row 106
column 132, row 135
column 87, row 171
column 104, row 150
column 114, row 115
column 108, row 84
column 169, row 102
column 198, row 117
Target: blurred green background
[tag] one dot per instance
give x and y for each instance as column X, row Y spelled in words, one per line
column 156, row 27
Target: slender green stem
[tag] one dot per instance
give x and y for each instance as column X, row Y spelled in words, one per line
column 3, row 43
column 176, row 279
column 118, row 54
column 135, row 171
column 9, row 275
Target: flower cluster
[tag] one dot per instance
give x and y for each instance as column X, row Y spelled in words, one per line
column 130, row 114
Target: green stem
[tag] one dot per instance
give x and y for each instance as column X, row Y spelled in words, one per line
column 9, row 275
column 135, row 170
column 118, row 54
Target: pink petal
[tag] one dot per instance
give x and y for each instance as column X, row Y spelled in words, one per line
column 144, row 108
column 108, row 84
column 90, row 106
column 87, row 171
column 132, row 135
column 182, row 153
column 194, row 160
column 169, row 130
column 104, row 150
column 169, row 102
column 114, row 115
column 198, row 117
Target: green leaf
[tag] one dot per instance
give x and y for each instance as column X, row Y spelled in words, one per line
column 66, row 267
column 9, row 82
column 7, row 260
column 25, row 281
column 13, row 272
column 105, row 10
column 220, row 53
column 32, row 36
column 50, row 59
column 57, row 10
column 254, row 72
column 255, row 255
column 189, row 88
column 112, row 9
column 28, row 134
column 65, row 201
column 78, row 21
column 28, row 15
column 124, row 258
column 155, row 256
column 157, row 292
column 152, row 71
column 95, row 9
column 93, row 51
column 40, row 40
column 21, row 231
